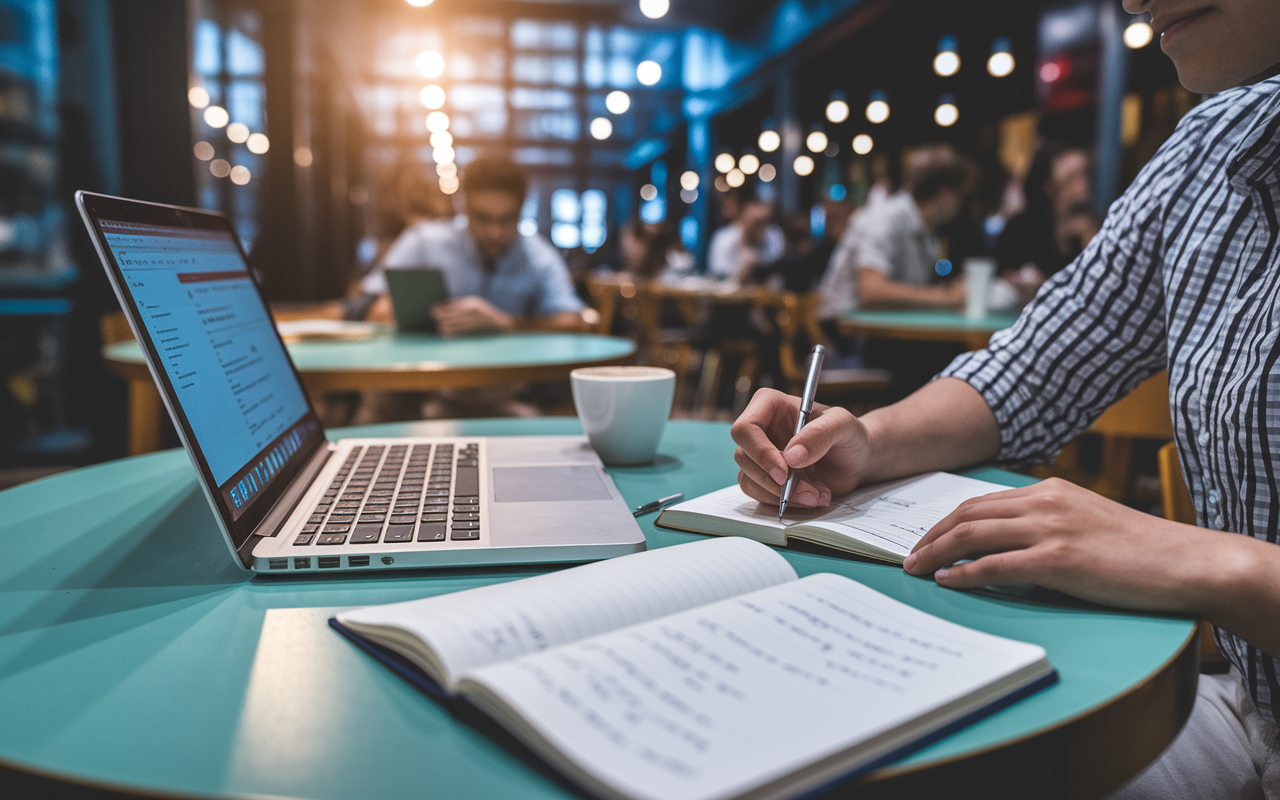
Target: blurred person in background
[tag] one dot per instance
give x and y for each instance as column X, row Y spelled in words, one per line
column 1056, row 222
column 652, row 250
column 498, row 280
column 750, row 239
column 801, row 269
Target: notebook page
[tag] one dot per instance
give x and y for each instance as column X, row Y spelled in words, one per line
column 721, row 699
column 895, row 516
column 493, row 623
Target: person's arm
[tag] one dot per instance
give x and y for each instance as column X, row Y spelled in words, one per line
column 876, row 290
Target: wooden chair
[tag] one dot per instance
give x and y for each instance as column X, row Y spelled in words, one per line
column 795, row 317
column 144, row 399
column 1143, row 414
column 1176, row 503
column 607, row 293
column 663, row 347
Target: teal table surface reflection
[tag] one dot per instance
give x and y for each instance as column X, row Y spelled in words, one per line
column 134, row 653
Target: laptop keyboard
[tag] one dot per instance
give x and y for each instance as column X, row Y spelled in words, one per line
column 399, row 493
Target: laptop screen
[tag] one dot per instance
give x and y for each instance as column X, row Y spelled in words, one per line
column 211, row 335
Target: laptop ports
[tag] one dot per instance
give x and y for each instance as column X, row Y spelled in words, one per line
column 278, row 563
column 330, row 562
column 357, row 561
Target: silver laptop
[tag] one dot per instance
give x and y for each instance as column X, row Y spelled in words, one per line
column 288, row 500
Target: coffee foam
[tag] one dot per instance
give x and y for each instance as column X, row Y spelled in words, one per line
column 623, row 373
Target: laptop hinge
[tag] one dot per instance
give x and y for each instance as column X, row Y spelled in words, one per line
column 275, row 519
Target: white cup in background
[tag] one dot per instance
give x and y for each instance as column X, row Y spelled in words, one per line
column 623, row 410
column 978, row 275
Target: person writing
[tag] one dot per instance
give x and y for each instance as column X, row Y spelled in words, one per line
column 500, row 280
column 1184, row 275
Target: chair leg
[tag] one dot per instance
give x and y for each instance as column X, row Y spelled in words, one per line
column 1117, row 452
column 704, row 400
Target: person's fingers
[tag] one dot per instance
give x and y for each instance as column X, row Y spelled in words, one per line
column 973, row 539
column 757, row 473
column 750, row 431
column 830, row 427
column 1007, row 504
column 755, row 491
column 1017, row 567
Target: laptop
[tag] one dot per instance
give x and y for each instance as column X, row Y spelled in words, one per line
column 287, row 499
column 414, row 291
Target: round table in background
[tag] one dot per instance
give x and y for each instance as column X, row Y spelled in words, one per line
column 135, row 654
column 394, row 362
column 928, row 326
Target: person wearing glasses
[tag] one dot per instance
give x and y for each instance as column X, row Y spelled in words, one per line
column 498, row 279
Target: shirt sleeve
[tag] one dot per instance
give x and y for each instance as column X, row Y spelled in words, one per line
column 555, row 287
column 875, row 236
column 1094, row 331
column 722, row 254
column 403, row 252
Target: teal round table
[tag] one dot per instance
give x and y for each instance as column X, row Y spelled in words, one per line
column 404, row 362
column 931, row 326
column 135, row 655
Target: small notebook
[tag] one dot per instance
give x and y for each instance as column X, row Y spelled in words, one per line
column 701, row 671
column 881, row 521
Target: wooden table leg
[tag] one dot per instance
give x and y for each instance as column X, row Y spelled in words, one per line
column 144, row 417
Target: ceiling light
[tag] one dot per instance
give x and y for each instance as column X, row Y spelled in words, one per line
column 748, row 164
column 816, row 141
column 648, row 72
column 769, row 141
column 803, row 165
column 655, row 9
column 735, row 177
column 947, row 62
column 238, row 132
column 437, row 121
column 837, row 108
column 862, row 144
column 878, row 108
column 1000, row 63
column 725, row 162
column 430, row 63
column 617, row 102
column 258, row 143
column 198, row 96
column 689, row 180
column 216, row 116
column 946, row 113
column 768, row 172
column 648, row 192
column 601, row 128
column 432, row 96
column 1138, row 34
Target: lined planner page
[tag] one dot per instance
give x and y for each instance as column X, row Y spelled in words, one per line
column 722, row 699
column 493, row 623
column 895, row 516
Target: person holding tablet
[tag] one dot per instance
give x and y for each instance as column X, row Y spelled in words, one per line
column 1184, row 276
column 498, row 279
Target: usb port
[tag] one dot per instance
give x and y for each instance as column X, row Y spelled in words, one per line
column 330, row 562
column 357, row 561
column 302, row 563
column 278, row 563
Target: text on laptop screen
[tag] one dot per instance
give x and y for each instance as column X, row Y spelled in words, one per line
column 217, row 342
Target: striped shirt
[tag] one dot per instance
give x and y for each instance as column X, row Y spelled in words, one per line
column 1184, row 276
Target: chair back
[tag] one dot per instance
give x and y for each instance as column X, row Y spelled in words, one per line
column 1143, row 414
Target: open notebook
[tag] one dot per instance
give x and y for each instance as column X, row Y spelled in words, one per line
column 705, row 670
column 882, row 521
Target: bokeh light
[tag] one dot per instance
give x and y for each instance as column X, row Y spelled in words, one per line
column 430, row 64
column 617, row 101
column 437, row 121
column 204, row 151
column 837, row 111
column 649, row 72
column 1138, row 34
column 442, row 139
column 946, row 113
column 432, row 96
column 689, row 180
column 946, row 63
column 816, row 142
column 258, row 143
column 748, row 164
column 648, row 192
column 216, row 116
column 1000, row 64
column 735, row 177
column 240, row 175
column 725, row 162
column 877, row 111
column 220, row 168
column 601, row 128
column 803, row 165
column 768, row 172
column 769, row 141
column 198, row 96
column 655, row 9
column 238, row 132
column 862, row 144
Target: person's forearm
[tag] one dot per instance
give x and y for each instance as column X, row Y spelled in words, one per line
column 1236, row 586
column 877, row 291
column 944, row 425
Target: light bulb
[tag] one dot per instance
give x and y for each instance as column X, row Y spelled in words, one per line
column 648, row 192
column 655, row 9
column 862, row 144
column 768, row 172
column 769, row 141
column 1000, row 64
column 238, row 132
column 877, row 111
column 946, row 63
column 946, row 114
column 803, row 165
column 725, row 162
column 216, row 116
column 601, row 128
column 258, row 143
column 430, row 63
column 1138, row 34
column 437, row 121
column 441, row 139
column 198, row 96
column 748, row 164
column 837, row 111
column 240, row 175
column 816, row 142
column 617, row 101
column 432, row 96
column 648, row 72
column 689, row 180
column 735, row 178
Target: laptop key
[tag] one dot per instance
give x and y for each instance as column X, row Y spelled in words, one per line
column 309, row 528
column 466, row 501
column 331, row 538
column 364, row 534
column 466, row 516
column 398, row 533
column 431, row 532
column 435, row 517
column 463, row 536
column 466, row 525
column 371, row 518
column 406, row 520
column 336, row 528
column 434, row 509
column 304, row 538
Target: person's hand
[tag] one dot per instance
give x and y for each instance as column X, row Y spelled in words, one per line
column 381, row 310
column 831, row 452
column 1060, row 536
column 954, row 293
column 469, row 315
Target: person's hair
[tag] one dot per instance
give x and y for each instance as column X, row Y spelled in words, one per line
column 1041, row 170
column 496, row 174
column 943, row 172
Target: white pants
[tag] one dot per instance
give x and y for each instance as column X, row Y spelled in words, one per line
column 1226, row 751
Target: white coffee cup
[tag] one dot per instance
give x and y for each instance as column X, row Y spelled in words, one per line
column 623, row 410
column 978, row 275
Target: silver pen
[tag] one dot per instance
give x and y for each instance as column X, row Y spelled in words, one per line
column 654, row 505
column 806, row 408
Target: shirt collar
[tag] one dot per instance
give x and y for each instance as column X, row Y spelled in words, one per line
column 1256, row 160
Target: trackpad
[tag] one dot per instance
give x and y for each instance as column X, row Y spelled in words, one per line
column 534, row 484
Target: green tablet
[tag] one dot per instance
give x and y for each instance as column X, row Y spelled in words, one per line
column 414, row 291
